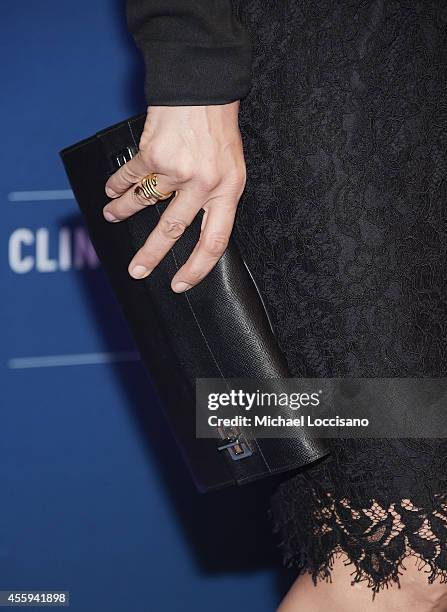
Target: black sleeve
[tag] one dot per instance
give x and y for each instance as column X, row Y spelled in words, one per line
column 195, row 51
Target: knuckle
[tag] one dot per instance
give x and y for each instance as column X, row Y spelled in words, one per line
column 129, row 175
column 171, row 227
column 215, row 244
column 241, row 177
column 237, row 177
column 183, row 172
column 207, row 181
column 154, row 159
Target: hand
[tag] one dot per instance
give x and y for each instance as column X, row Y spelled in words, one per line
column 197, row 152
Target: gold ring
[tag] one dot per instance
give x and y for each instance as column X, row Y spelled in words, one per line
column 148, row 188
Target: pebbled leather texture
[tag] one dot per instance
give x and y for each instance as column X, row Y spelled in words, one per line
column 219, row 329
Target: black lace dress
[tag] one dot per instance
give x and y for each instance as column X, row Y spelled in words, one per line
column 343, row 223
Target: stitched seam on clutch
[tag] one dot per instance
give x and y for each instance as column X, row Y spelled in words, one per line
column 185, row 295
column 252, row 439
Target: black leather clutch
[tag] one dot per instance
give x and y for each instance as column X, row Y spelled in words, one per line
column 219, row 329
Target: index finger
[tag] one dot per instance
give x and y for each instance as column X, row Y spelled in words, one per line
column 126, row 176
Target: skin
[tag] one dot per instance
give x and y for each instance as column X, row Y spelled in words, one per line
column 197, row 152
column 414, row 595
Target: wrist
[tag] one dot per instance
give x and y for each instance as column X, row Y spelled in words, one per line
column 213, row 118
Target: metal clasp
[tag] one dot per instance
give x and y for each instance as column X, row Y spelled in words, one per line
column 238, row 449
column 122, row 157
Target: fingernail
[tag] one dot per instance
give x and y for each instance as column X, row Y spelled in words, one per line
column 181, row 287
column 139, row 272
column 110, row 193
column 109, row 217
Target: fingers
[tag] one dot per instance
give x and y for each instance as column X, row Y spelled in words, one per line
column 214, row 238
column 176, row 218
column 129, row 203
column 126, row 176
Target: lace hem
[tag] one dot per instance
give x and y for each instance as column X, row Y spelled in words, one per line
column 324, row 572
column 376, row 540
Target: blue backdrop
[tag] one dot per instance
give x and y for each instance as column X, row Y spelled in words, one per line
column 94, row 498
